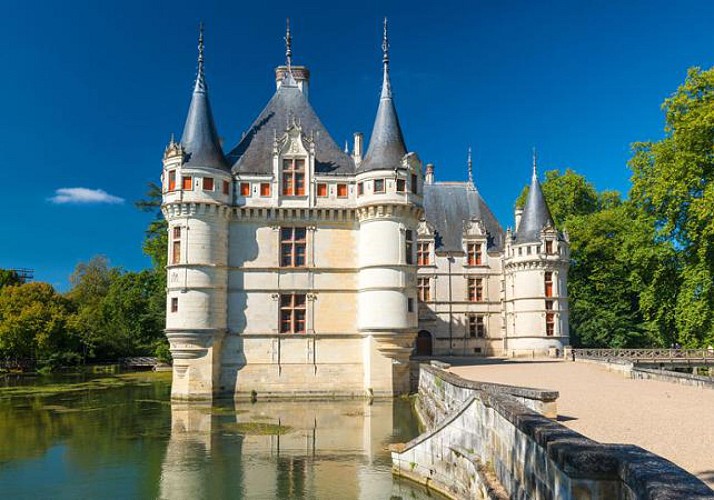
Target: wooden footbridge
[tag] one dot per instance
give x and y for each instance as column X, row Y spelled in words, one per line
column 676, row 358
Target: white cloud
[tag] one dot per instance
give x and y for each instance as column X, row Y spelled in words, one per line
column 81, row 195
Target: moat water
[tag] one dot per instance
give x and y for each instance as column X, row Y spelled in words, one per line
column 124, row 439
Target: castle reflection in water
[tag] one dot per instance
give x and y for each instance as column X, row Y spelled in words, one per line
column 310, row 449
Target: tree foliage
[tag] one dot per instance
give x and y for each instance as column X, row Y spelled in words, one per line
column 673, row 183
column 36, row 322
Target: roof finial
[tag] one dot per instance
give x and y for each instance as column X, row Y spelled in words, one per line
column 386, row 85
column 288, row 46
column 347, row 147
column 200, row 77
column 535, row 162
column 469, row 165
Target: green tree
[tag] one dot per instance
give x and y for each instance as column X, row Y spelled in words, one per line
column 90, row 285
column 133, row 315
column 156, row 246
column 36, row 322
column 9, row 277
column 673, row 182
column 156, row 240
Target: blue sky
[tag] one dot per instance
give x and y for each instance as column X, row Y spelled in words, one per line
column 92, row 91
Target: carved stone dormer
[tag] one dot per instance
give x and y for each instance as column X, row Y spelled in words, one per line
column 294, row 161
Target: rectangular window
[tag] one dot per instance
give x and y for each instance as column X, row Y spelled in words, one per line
column 423, row 254
column 424, row 289
column 475, row 289
column 477, row 327
column 549, row 247
column 245, row 189
column 342, row 190
column 409, row 247
column 226, row 187
column 293, row 177
column 401, row 185
column 550, row 324
column 410, row 305
column 548, row 284
column 548, row 305
column 264, row 189
column 360, row 188
column 474, row 254
column 292, row 313
column 176, row 245
column 415, row 184
column 172, row 180
column 208, row 183
column 174, row 304
column 293, row 246
column 187, row 183
column 322, row 190
column 379, row 185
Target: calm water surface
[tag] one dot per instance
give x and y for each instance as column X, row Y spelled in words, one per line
column 131, row 442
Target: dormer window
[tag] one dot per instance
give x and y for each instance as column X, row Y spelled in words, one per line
column 474, row 254
column 549, row 247
column 293, row 177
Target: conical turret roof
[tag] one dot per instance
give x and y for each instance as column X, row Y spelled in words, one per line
column 536, row 214
column 386, row 144
column 200, row 139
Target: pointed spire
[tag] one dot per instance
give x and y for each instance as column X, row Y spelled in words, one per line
column 536, row 214
column 386, row 85
column 200, row 76
column 386, row 145
column 469, row 165
column 288, row 46
column 200, row 138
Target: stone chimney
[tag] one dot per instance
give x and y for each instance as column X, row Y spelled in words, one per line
column 519, row 212
column 429, row 176
column 300, row 73
column 358, row 147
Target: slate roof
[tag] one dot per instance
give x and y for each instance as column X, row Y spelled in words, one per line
column 448, row 206
column 254, row 153
column 200, row 138
column 535, row 215
column 386, row 144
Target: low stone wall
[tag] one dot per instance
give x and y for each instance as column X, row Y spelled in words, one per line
column 674, row 377
column 482, row 442
column 631, row 370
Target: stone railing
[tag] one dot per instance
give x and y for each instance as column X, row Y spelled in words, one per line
column 648, row 356
column 482, row 442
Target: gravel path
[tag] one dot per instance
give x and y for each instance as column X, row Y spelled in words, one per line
column 674, row 421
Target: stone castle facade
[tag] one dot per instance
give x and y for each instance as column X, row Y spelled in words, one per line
column 299, row 269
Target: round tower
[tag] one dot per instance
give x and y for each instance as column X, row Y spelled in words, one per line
column 536, row 267
column 197, row 192
column 389, row 206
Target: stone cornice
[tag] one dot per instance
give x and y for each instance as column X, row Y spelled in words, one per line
column 389, row 211
column 179, row 209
